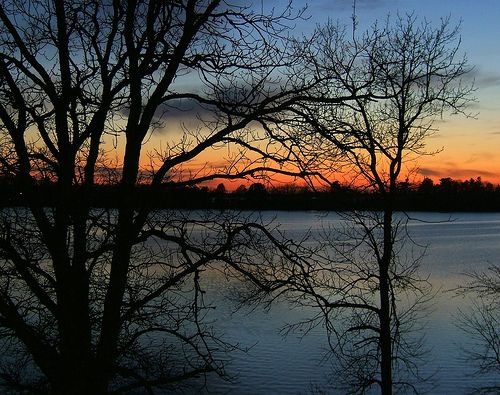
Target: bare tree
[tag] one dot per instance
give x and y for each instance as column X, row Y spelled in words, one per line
column 88, row 296
column 404, row 76
column 482, row 322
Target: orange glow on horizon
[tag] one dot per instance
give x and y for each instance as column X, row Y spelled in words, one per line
column 442, row 165
column 462, row 148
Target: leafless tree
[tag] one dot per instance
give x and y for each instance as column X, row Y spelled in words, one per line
column 95, row 300
column 404, row 76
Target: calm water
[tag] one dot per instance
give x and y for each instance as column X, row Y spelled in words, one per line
column 296, row 365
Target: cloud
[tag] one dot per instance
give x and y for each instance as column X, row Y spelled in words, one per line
column 182, row 108
column 479, row 156
column 457, row 173
column 484, row 79
column 179, row 111
column 489, row 80
column 429, row 172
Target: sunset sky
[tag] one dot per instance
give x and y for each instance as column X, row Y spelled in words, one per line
column 466, row 147
column 470, row 147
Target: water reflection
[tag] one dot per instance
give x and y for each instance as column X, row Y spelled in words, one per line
column 297, row 365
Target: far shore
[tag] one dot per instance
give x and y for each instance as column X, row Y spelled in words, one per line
column 446, row 196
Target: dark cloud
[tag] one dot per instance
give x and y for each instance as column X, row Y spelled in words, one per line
column 456, row 172
column 182, row 108
column 429, row 172
column 484, row 79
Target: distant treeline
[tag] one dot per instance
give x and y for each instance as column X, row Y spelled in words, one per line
column 447, row 195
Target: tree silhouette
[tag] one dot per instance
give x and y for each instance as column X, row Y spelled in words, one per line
column 99, row 300
column 220, row 189
column 362, row 278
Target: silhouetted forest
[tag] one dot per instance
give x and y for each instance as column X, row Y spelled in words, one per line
column 446, row 195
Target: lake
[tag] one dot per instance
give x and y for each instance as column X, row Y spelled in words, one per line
column 295, row 364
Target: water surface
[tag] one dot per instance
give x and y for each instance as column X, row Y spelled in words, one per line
column 294, row 364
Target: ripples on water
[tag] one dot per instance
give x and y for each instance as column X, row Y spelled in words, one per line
column 295, row 365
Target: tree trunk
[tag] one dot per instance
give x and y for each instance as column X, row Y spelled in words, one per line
column 125, row 232
column 74, row 382
column 385, row 308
